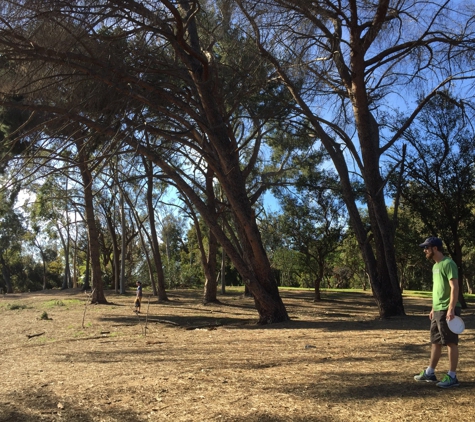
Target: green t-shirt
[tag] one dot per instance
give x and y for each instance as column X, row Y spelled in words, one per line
column 442, row 272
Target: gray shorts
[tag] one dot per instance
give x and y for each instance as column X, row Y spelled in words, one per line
column 439, row 330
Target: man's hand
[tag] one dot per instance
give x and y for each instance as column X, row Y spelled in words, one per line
column 450, row 314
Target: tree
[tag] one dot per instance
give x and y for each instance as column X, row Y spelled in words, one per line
column 345, row 65
column 157, row 257
column 11, row 232
column 313, row 217
column 413, row 268
column 315, row 227
column 83, row 157
column 440, row 180
column 169, row 91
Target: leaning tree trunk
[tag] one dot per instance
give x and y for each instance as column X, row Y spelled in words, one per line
column 157, row 257
column 149, row 261
column 386, row 287
column 250, row 259
column 376, row 270
column 258, row 272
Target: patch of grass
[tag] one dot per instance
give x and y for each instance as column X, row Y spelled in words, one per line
column 470, row 298
column 416, row 293
column 64, row 302
column 16, row 306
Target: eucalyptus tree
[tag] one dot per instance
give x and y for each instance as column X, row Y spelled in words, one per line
column 413, row 268
column 49, row 144
column 206, row 243
column 440, row 175
column 172, row 233
column 11, row 233
column 348, row 65
column 313, row 219
column 133, row 69
column 151, row 193
column 109, row 212
column 82, row 159
column 315, row 225
column 137, row 183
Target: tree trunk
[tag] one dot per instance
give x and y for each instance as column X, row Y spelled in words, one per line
column 6, row 275
column 149, row 261
column 457, row 257
column 123, row 248
column 468, row 284
column 223, row 272
column 67, row 274
column 44, row 269
column 318, row 281
column 93, row 235
column 157, row 257
column 388, row 305
column 382, row 271
column 209, row 262
column 87, row 282
column 211, row 285
column 75, row 274
column 75, row 255
column 222, row 155
column 115, row 251
column 386, row 289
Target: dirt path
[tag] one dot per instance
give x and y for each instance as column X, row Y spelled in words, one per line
column 333, row 362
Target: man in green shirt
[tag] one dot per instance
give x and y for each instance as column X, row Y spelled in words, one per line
column 445, row 306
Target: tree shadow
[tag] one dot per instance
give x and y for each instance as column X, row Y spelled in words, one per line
column 41, row 404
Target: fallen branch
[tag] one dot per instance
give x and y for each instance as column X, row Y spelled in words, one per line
column 34, row 335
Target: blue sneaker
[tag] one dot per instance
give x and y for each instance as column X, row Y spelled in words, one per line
column 448, row 382
column 424, row 377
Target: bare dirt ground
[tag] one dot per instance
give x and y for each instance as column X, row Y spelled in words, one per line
column 335, row 361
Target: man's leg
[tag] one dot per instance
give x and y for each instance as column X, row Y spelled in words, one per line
column 453, row 352
column 435, row 354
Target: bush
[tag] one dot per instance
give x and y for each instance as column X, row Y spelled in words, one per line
column 44, row 316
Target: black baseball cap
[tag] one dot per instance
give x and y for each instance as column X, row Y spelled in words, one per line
column 431, row 241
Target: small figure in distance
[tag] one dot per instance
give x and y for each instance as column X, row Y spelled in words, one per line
column 445, row 306
column 138, row 297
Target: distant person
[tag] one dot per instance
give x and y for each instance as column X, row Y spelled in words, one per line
column 138, row 297
column 445, row 305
